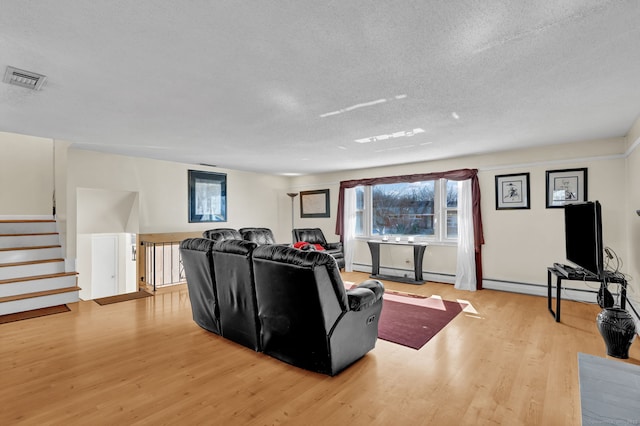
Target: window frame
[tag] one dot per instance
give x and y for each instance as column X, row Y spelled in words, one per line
column 440, row 211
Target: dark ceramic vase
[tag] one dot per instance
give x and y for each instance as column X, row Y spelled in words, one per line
column 618, row 331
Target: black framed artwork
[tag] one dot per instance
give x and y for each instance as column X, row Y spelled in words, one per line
column 512, row 191
column 566, row 186
column 207, row 196
column 314, row 203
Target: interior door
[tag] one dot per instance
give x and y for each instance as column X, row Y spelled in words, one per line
column 104, row 266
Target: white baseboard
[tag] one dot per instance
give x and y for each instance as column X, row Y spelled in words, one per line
column 568, row 293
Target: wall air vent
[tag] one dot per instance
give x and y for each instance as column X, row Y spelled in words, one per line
column 28, row 79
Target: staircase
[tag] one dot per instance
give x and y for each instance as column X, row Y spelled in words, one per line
column 32, row 270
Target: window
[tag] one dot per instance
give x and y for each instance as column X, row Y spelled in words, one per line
column 359, row 210
column 427, row 209
column 451, row 210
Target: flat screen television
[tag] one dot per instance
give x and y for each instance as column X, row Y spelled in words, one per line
column 583, row 236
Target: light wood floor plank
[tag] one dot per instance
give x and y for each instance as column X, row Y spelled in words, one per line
column 502, row 361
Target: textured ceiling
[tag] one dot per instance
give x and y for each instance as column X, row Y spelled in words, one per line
column 288, row 87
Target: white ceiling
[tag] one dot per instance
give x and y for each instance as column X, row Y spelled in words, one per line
column 248, row 84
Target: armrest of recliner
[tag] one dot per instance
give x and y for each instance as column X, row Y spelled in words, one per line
column 334, row 246
column 365, row 295
column 374, row 285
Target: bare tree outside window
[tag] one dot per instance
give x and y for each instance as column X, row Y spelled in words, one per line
column 403, row 208
column 426, row 209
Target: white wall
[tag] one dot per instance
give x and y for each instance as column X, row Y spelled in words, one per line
column 252, row 199
column 83, row 265
column 26, row 175
column 519, row 244
column 632, row 219
column 106, row 211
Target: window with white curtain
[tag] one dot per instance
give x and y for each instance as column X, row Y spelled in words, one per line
column 425, row 209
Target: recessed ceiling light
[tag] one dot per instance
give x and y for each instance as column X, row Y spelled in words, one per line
column 352, row 107
column 455, row 115
column 400, row 134
column 362, row 105
column 394, row 148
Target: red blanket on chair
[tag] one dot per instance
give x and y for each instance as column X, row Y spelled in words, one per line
column 301, row 244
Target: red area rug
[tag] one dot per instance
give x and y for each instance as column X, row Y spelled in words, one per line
column 413, row 325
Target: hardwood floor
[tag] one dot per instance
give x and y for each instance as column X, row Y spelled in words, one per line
column 504, row 361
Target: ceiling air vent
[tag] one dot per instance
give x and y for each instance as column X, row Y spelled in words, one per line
column 28, row 79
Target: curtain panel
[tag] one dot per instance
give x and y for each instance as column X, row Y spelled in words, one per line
column 465, row 267
column 455, row 175
column 350, row 228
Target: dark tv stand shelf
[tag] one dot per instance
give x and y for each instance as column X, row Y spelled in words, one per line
column 563, row 272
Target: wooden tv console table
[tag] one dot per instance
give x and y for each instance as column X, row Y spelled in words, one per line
column 418, row 255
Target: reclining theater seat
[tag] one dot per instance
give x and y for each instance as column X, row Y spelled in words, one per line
column 308, row 319
column 260, row 236
column 236, row 292
column 221, row 234
column 315, row 236
column 197, row 259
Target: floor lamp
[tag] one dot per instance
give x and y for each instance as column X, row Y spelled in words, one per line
column 292, row 195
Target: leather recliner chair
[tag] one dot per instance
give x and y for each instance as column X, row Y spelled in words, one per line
column 221, row 234
column 236, row 292
column 307, row 317
column 260, row 236
column 315, row 236
column 197, row 258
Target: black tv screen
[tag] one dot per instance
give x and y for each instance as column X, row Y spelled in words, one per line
column 583, row 236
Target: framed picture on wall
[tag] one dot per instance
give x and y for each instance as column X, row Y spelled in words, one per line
column 314, row 203
column 512, row 191
column 566, row 186
column 207, row 196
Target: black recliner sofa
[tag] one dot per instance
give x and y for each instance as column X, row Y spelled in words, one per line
column 288, row 303
column 197, row 259
column 236, row 292
column 308, row 319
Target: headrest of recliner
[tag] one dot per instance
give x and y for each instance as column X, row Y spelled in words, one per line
column 240, row 247
column 310, row 235
column 258, row 235
column 294, row 256
column 222, row 234
column 198, row 244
